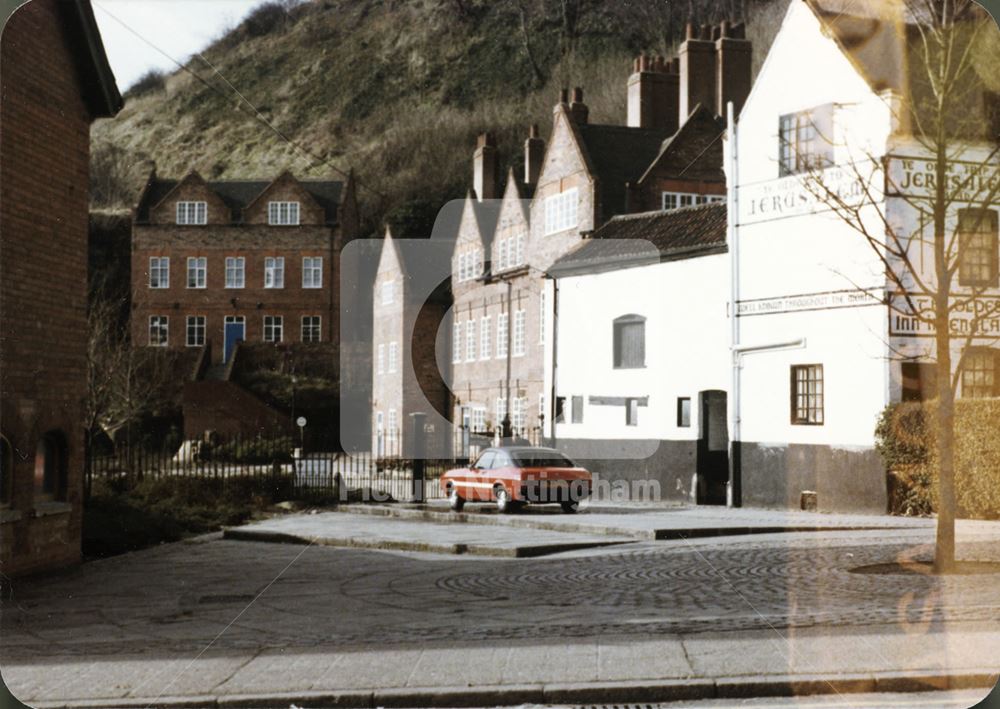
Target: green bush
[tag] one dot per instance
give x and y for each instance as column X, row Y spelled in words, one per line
column 255, row 451
column 906, row 437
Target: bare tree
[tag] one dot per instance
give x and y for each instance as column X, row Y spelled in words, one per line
column 928, row 207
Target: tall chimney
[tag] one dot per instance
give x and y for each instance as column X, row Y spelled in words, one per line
column 734, row 54
column 578, row 109
column 485, row 180
column 697, row 80
column 653, row 94
column 534, row 151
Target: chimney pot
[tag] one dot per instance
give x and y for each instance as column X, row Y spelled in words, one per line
column 706, row 32
column 564, row 96
column 533, row 131
column 578, row 109
column 733, row 68
column 534, row 152
column 724, row 28
column 689, row 31
column 485, row 177
column 577, row 95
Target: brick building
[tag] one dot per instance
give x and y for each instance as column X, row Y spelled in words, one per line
column 55, row 82
column 219, row 262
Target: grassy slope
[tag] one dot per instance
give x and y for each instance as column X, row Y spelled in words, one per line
column 396, row 90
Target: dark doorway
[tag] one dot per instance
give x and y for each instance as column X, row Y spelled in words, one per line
column 713, row 449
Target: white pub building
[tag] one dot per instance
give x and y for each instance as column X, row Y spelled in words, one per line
column 826, row 180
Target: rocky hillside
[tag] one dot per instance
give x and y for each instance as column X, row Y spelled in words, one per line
column 395, row 89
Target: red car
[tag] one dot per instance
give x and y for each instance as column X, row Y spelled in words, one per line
column 510, row 477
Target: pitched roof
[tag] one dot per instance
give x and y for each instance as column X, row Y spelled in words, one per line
column 100, row 89
column 631, row 240
column 618, row 155
column 237, row 194
column 694, row 151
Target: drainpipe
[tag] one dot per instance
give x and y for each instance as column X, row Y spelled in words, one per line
column 555, row 349
column 733, row 486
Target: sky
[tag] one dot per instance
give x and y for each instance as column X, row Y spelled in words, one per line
column 178, row 27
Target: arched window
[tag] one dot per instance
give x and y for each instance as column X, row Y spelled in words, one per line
column 50, row 467
column 6, row 472
column 630, row 342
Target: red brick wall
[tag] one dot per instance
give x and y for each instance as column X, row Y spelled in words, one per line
column 228, row 409
column 44, row 152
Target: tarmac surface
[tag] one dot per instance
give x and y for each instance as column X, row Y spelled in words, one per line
column 227, row 622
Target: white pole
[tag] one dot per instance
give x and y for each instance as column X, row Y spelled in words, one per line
column 734, row 291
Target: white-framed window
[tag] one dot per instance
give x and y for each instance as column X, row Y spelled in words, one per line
column 312, row 272
column 478, row 421
column 393, row 357
column 311, row 328
column 197, row 271
column 393, row 425
column 274, row 328
column 518, row 344
column 283, row 213
column 484, row 337
column 159, row 272
column 676, row 200
column 159, row 330
column 501, row 410
column 235, row 271
column 388, row 292
column 381, row 359
column 470, row 340
column 561, row 211
column 519, row 249
column 192, row 212
column 274, row 272
column 541, row 406
column 541, row 318
column 195, row 331
column 502, row 335
column 456, row 343
column 470, row 264
column 502, row 263
column 519, row 413
column 801, row 147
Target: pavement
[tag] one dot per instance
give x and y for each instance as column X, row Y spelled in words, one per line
column 223, row 622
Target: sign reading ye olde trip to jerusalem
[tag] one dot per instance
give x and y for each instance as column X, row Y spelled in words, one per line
column 968, row 181
column 978, row 317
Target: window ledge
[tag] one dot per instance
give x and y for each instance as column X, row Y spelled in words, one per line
column 44, row 509
column 7, row 516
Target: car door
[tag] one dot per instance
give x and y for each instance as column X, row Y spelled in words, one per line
column 503, row 470
column 477, row 482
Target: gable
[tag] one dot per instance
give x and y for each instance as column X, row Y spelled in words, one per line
column 190, row 189
column 563, row 154
column 285, row 188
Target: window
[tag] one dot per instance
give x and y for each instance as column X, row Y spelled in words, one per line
column 629, row 342
column 519, row 333
column 312, row 272
column 274, row 272
column 675, row 200
column 560, row 412
column 978, row 247
column 388, row 292
column 541, row 318
column 519, row 415
column 979, row 373
column 192, row 212
column 800, row 147
column 631, row 412
column 158, row 330
column 197, row 268
column 541, row 406
column 470, row 264
column 381, row 359
column 159, row 272
column 807, row 394
column 503, row 262
column 577, row 409
column 919, row 381
column 393, row 357
column 274, row 326
column 195, row 331
column 519, row 249
column 283, row 213
column 560, row 211
column 51, row 466
column 501, row 410
column 478, row 418
column 456, row 343
column 501, row 335
column 683, row 412
column 484, row 337
column 470, row 340
column 393, row 425
column 235, row 271
column 311, row 331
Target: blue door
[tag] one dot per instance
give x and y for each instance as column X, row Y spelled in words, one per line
column 235, row 330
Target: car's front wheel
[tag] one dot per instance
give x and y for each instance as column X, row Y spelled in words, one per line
column 455, row 501
column 502, row 497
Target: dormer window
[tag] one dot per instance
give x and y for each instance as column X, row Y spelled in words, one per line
column 470, row 264
column 192, row 213
column 283, row 213
column 510, row 252
column 561, row 211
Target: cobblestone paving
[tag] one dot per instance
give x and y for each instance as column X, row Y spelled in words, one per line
column 174, row 598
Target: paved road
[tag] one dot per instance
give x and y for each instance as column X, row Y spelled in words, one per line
column 218, row 616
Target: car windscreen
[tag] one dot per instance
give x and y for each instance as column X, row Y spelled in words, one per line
column 541, row 459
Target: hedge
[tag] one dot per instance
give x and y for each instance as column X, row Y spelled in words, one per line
column 906, row 438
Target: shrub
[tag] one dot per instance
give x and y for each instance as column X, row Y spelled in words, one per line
column 257, row 451
column 906, row 437
column 153, row 80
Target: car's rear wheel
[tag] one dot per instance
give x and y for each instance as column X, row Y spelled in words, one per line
column 455, row 501
column 502, row 497
column 570, row 506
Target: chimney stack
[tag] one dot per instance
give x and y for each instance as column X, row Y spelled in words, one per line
column 578, row 109
column 534, row 151
column 734, row 57
column 653, row 94
column 697, row 71
column 485, row 180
